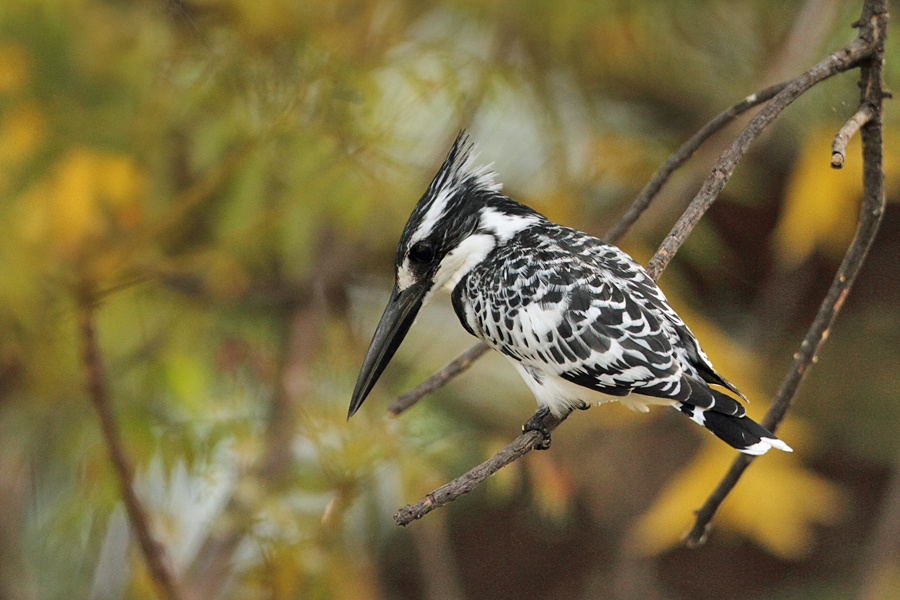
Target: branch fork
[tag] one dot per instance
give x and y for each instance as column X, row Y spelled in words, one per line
column 866, row 52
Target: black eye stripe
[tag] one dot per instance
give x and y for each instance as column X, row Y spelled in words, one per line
column 421, row 252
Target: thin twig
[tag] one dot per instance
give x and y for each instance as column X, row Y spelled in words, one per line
column 153, row 551
column 457, row 366
column 640, row 204
column 873, row 30
column 681, row 156
column 837, row 62
column 465, row 484
column 839, row 145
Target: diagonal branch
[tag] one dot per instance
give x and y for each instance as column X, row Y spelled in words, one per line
column 456, row 366
column 465, row 484
column 840, row 61
column 153, row 551
column 681, row 156
column 873, row 31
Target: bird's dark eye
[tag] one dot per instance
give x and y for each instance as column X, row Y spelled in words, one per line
column 421, row 253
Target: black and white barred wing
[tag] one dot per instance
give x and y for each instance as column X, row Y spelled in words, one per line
column 639, row 286
column 559, row 305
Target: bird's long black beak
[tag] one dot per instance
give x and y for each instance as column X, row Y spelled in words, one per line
column 398, row 317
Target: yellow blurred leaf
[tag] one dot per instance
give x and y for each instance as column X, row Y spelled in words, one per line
column 85, row 195
column 15, row 66
column 776, row 503
column 554, row 490
column 21, row 129
column 821, row 203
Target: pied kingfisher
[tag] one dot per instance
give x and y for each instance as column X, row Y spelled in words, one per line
column 578, row 318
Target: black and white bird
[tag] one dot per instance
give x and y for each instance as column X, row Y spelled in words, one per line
column 579, row 319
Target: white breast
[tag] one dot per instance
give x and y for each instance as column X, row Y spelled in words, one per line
column 562, row 396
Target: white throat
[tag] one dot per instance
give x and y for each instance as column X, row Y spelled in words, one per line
column 460, row 261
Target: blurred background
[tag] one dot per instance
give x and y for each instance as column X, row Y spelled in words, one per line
column 231, row 177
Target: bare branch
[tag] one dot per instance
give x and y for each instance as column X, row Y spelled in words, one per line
column 695, row 211
column 837, row 62
column 840, row 61
column 466, row 483
column 839, row 145
column 873, row 28
column 457, row 366
column 681, row 156
column 153, row 551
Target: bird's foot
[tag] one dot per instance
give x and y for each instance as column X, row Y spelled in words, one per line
column 536, row 423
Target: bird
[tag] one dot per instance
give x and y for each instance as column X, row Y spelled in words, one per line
column 579, row 319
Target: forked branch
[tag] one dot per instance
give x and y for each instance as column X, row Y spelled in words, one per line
column 865, row 48
column 838, row 62
column 873, row 29
column 465, row 484
column 681, row 156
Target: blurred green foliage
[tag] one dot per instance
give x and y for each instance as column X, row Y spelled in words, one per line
column 230, row 178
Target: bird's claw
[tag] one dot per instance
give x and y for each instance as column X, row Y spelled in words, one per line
column 536, row 423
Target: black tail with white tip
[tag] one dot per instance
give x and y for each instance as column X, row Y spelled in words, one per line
column 739, row 432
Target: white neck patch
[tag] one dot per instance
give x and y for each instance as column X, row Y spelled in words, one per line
column 505, row 226
column 471, row 251
column 460, row 261
column 455, row 265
